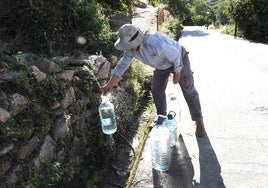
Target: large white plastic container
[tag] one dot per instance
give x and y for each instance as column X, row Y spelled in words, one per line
column 160, row 147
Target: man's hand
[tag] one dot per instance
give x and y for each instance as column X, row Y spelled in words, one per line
column 104, row 90
column 176, row 77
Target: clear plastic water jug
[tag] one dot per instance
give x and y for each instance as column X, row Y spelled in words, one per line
column 107, row 116
column 160, row 147
column 172, row 125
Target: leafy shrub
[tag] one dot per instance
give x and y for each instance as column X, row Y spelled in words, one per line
column 52, row 174
column 52, row 27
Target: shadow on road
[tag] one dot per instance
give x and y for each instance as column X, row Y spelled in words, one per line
column 194, row 33
column 210, row 169
column 181, row 171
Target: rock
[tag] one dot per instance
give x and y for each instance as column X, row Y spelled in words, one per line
column 76, row 107
column 29, row 57
column 91, row 59
column 77, row 151
column 80, row 129
column 5, row 147
column 61, row 59
column 28, row 148
column 10, row 75
column 39, row 75
column 69, row 97
column 4, row 115
column 61, row 155
column 13, row 175
column 3, row 100
column 104, row 70
column 56, row 105
column 45, row 65
column 100, row 59
column 47, row 151
column 4, row 166
column 17, row 103
column 3, row 65
column 61, row 127
column 66, row 75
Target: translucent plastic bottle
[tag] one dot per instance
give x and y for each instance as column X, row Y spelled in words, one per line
column 107, row 116
column 172, row 125
column 160, row 147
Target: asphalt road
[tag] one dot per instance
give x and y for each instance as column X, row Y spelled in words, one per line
column 231, row 76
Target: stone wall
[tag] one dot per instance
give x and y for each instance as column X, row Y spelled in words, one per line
column 48, row 113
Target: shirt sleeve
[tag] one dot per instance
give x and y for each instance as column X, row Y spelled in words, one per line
column 168, row 49
column 123, row 64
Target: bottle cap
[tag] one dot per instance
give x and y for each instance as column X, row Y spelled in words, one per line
column 170, row 116
column 159, row 122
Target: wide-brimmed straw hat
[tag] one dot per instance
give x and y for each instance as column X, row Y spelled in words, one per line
column 130, row 37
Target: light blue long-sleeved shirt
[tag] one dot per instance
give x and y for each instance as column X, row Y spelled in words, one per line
column 156, row 51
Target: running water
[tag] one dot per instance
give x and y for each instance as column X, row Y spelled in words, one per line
column 93, row 75
column 110, row 138
column 111, row 142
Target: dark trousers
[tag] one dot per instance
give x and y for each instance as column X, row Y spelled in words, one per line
column 159, row 84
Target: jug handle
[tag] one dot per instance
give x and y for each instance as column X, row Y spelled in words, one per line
column 173, row 114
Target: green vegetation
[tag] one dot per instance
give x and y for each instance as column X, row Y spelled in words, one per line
column 52, row 174
column 250, row 16
column 175, row 27
column 52, row 27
